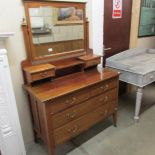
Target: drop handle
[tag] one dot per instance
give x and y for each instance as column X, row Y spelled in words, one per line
column 72, row 115
column 107, row 49
column 74, row 130
column 104, row 87
column 104, row 99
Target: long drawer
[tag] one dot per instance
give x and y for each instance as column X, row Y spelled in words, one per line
column 75, row 127
column 67, row 101
column 74, row 112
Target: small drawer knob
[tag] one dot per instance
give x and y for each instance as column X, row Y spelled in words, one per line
column 74, row 99
column 43, row 74
column 102, row 87
column 67, row 101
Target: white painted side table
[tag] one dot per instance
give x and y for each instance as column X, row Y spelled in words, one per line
column 11, row 140
column 136, row 67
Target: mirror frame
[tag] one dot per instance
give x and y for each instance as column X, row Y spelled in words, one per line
column 28, row 33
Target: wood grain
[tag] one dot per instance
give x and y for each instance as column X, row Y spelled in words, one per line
column 58, row 47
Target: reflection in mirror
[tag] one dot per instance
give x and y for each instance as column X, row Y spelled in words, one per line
column 56, row 30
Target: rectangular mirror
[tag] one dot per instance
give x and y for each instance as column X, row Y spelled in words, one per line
column 56, row 29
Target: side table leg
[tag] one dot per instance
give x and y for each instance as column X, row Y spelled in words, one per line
column 138, row 102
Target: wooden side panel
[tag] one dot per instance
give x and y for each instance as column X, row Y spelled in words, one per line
column 35, row 115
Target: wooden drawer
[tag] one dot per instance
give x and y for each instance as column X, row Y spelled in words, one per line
column 67, row 101
column 62, row 103
column 42, row 75
column 93, row 62
column 103, row 87
column 74, row 128
column 74, row 112
column 90, row 60
column 39, row 72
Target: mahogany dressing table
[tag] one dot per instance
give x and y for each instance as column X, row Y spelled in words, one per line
column 66, row 92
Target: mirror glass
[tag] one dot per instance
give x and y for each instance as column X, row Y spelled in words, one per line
column 56, row 30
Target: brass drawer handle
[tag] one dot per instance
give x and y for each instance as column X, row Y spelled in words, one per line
column 105, row 99
column 74, row 130
column 71, row 102
column 104, row 113
column 71, row 115
column 105, row 87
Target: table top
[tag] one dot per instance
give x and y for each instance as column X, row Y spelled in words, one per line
column 68, row 84
column 139, row 61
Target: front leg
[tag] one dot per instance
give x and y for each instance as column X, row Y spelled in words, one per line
column 138, row 102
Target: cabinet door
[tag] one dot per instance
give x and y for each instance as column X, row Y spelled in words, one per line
column 11, row 141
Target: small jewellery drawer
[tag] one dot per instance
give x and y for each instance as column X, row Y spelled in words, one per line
column 67, row 101
column 75, row 127
column 39, row 72
column 42, row 75
column 93, row 62
column 77, row 111
column 103, row 87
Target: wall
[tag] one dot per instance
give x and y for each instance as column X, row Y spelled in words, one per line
column 147, row 42
column 96, row 25
column 11, row 15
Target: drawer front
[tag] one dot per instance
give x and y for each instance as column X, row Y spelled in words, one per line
column 67, row 101
column 42, row 75
column 103, row 87
column 74, row 128
column 77, row 111
column 92, row 62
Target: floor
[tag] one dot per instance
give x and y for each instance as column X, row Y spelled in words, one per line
column 129, row 138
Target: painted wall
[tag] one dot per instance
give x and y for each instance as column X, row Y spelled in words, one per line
column 148, row 42
column 11, row 15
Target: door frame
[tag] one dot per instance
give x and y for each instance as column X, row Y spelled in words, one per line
column 136, row 4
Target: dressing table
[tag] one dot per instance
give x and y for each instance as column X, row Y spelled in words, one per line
column 66, row 92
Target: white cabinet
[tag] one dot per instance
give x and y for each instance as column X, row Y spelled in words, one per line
column 11, row 140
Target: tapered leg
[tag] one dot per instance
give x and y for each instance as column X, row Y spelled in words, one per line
column 138, row 102
column 114, row 118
